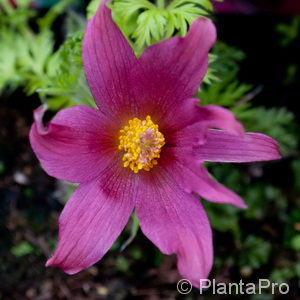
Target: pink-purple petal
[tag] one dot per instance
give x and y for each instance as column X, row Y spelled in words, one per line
column 75, row 146
column 92, row 220
column 221, row 118
column 172, row 70
column 189, row 125
column 108, row 60
column 193, row 177
column 211, row 190
column 175, row 222
column 249, row 147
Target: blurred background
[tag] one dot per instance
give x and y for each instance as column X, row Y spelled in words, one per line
column 254, row 71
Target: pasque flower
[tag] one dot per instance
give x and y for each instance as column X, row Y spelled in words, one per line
column 143, row 149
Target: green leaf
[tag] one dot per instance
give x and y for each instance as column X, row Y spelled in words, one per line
column 282, row 275
column 122, row 264
column 255, row 252
column 28, row 63
column 223, row 70
column 92, row 8
column 56, row 10
column 223, row 218
column 225, row 93
column 296, row 171
column 9, row 77
column 145, row 23
column 289, row 32
column 2, row 167
column 295, row 242
column 22, row 249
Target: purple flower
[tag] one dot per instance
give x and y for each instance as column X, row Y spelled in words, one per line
column 143, row 149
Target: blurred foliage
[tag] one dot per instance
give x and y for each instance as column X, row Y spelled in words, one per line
column 286, row 274
column 289, row 32
column 56, row 76
column 288, row 35
column 67, row 85
column 226, row 90
column 22, row 249
column 291, row 74
column 255, row 252
column 32, row 62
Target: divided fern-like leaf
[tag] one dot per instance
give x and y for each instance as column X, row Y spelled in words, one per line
column 145, row 23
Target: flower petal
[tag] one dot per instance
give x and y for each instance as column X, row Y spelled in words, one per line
column 193, row 177
column 218, row 117
column 92, row 220
column 202, row 183
column 188, row 127
column 75, row 146
column 172, row 70
column 211, row 116
column 108, row 60
column 176, row 223
column 223, row 147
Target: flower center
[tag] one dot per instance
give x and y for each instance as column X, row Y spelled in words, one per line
column 142, row 142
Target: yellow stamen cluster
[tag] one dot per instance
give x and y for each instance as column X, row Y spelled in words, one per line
column 142, row 142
